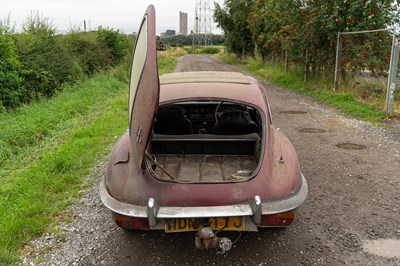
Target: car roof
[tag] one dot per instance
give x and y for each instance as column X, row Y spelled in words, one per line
column 204, row 77
column 211, row 85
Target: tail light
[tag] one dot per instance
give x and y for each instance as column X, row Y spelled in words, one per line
column 130, row 223
column 278, row 219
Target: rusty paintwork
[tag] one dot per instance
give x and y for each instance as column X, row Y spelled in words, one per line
column 279, row 175
column 275, row 180
column 128, row 180
column 147, row 92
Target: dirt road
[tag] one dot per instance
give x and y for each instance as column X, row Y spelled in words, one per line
column 353, row 198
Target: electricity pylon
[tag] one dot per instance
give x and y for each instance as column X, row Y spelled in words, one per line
column 202, row 34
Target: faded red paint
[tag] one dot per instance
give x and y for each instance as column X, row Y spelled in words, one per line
column 250, row 93
column 128, row 181
column 147, row 93
column 274, row 180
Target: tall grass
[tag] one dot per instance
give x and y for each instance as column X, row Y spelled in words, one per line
column 43, row 167
column 167, row 60
column 229, row 59
column 317, row 87
column 47, row 148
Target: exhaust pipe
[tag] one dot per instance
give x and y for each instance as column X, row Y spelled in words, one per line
column 206, row 239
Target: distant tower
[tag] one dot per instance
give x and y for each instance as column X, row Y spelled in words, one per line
column 202, row 23
column 183, row 23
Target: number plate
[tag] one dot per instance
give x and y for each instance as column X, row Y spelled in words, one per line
column 193, row 224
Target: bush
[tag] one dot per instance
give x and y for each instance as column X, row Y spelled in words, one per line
column 77, row 71
column 11, row 82
column 210, row 50
column 36, row 63
column 87, row 51
column 46, row 63
column 38, row 83
column 115, row 41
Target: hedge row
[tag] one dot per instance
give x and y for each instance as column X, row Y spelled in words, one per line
column 37, row 63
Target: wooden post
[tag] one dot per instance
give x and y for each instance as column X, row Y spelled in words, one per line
column 391, row 86
column 338, row 65
column 306, row 65
column 286, row 60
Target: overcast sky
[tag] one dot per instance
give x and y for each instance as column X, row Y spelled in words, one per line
column 124, row 15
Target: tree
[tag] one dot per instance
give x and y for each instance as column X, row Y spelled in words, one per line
column 324, row 19
column 312, row 25
column 274, row 24
column 232, row 19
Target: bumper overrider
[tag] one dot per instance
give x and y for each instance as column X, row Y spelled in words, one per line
column 254, row 212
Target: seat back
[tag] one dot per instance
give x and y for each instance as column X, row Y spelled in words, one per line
column 235, row 123
column 171, row 120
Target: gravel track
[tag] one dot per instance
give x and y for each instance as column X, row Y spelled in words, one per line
column 353, row 197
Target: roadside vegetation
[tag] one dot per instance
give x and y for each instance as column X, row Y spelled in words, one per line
column 49, row 146
column 204, row 49
column 365, row 104
column 301, row 36
column 181, row 40
column 167, row 60
column 318, row 88
column 38, row 63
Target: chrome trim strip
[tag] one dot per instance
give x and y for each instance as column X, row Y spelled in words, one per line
column 268, row 207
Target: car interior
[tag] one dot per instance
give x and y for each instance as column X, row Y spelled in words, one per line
column 207, row 141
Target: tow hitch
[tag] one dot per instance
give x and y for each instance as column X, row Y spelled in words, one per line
column 207, row 239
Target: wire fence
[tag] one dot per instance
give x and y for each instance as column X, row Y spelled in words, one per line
column 367, row 64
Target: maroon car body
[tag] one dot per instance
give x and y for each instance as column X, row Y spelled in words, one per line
column 168, row 176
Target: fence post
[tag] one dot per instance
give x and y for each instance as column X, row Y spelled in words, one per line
column 306, row 66
column 286, row 60
column 391, row 86
column 273, row 57
column 338, row 63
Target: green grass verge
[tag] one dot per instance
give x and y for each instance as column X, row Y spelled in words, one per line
column 229, row 59
column 46, row 150
column 215, row 49
column 317, row 88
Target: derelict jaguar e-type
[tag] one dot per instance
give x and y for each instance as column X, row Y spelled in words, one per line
column 201, row 154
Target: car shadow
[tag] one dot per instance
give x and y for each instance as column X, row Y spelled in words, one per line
column 156, row 247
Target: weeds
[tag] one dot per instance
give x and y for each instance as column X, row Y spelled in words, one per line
column 318, row 87
column 167, row 59
column 47, row 148
column 44, row 170
column 210, row 50
column 229, row 59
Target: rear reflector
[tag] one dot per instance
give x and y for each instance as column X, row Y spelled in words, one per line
column 278, row 219
column 130, row 223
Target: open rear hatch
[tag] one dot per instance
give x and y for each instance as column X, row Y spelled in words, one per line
column 198, row 157
column 144, row 88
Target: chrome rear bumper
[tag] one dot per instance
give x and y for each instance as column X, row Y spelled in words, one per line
column 253, row 210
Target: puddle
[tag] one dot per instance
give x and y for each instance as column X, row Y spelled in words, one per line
column 383, row 247
column 294, row 112
column 312, row 130
column 350, row 146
